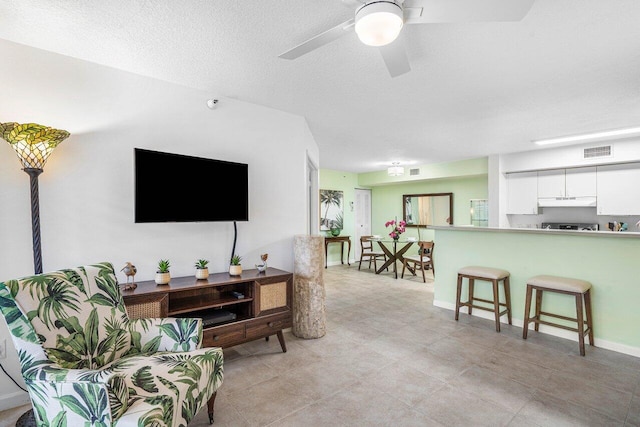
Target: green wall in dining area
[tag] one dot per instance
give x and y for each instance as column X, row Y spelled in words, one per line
column 386, row 201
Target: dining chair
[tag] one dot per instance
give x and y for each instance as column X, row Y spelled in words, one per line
column 367, row 252
column 423, row 261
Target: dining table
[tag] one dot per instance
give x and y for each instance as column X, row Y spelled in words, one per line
column 394, row 250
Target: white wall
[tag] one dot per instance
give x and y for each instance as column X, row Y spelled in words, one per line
column 624, row 150
column 86, row 190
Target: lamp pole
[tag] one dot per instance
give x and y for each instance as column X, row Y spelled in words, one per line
column 35, row 218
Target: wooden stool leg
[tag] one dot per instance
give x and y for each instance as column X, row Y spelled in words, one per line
column 471, row 283
column 458, row 296
column 507, row 296
column 496, row 304
column 580, row 323
column 538, row 308
column 527, row 312
column 587, row 304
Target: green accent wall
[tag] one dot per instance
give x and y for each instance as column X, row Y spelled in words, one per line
column 386, row 201
column 610, row 263
column 466, row 179
column 346, row 182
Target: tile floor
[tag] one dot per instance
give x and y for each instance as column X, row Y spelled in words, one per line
column 390, row 358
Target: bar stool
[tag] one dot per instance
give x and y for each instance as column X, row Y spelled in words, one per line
column 488, row 274
column 580, row 289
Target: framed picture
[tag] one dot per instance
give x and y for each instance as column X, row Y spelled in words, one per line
column 331, row 209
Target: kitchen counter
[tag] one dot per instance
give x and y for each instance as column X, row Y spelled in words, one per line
column 609, row 260
column 623, row 234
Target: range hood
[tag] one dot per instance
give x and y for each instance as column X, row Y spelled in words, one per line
column 567, row 202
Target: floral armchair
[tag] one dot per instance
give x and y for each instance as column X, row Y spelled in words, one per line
column 86, row 363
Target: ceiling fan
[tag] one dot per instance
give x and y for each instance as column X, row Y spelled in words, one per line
column 379, row 22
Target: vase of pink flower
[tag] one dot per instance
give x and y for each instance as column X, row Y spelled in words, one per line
column 397, row 228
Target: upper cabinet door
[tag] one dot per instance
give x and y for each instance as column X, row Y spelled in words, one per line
column 581, row 182
column 522, row 193
column 551, row 183
column 617, row 189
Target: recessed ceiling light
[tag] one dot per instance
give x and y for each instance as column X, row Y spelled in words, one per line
column 609, row 134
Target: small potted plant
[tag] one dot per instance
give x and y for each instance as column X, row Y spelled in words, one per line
column 163, row 276
column 235, row 269
column 202, row 271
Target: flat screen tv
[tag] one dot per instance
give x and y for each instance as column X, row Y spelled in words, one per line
column 178, row 188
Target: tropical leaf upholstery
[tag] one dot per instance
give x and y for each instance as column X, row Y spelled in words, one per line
column 85, row 363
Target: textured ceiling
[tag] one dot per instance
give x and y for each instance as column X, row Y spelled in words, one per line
column 475, row 89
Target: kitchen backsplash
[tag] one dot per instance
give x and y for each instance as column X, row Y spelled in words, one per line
column 572, row 215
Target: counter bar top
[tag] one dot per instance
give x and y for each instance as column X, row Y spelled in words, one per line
column 627, row 234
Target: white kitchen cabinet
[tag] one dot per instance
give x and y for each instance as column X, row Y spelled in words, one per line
column 522, row 193
column 618, row 192
column 575, row 182
column 551, row 183
column 580, row 182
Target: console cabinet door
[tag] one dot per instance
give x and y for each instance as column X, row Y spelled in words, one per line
column 617, row 192
column 522, row 193
column 273, row 296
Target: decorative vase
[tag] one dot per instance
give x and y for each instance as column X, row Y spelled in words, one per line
column 163, row 278
column 335, row 232
column 235, row 270
column 202, row 273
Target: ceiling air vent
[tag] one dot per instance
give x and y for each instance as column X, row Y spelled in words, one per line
column 414, row 172
column 594, row 152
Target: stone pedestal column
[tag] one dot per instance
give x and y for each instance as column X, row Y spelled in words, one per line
column 309, row 320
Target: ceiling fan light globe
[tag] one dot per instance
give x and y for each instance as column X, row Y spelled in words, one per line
column 379, row 23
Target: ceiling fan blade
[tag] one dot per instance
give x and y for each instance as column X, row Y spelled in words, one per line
column 434, row 11
column 319, row 40
column 395, row 58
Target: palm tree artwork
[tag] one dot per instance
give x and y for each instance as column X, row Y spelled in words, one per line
column 332, row 211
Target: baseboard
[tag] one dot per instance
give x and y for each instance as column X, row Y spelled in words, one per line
column 549, row 330
column 333, row 263
column 13, row 400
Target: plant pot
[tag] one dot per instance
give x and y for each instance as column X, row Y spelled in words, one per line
column 163, row 278
column 335, row 232
column 202, row 273
column 235, row 270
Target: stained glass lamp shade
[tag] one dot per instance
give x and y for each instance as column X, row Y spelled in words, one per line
column 32, row 142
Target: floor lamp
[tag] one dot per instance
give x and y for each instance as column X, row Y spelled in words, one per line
column 33, row 143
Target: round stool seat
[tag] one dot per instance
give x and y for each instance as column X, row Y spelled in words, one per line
column 486, row 272
column 565, row 284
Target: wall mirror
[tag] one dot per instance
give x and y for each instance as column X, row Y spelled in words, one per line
column 427, row 209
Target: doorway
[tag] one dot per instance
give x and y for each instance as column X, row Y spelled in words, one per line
column 363, row 218
column 313, row 208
